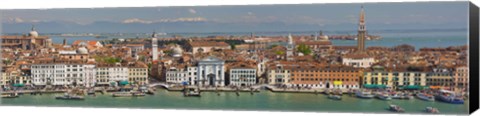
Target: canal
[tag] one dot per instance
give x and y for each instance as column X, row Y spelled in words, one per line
column 264, row 100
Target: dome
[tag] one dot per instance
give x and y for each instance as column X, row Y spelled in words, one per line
column 82, row 50
column 33, row 33
column 177, row 51
column 324, row 37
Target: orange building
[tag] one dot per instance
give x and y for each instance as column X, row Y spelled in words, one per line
column 325, row 77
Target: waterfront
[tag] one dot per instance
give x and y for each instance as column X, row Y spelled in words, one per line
column 264, row 100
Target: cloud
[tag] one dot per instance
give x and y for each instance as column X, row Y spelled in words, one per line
column 249, row 13
column 136, row 20
column 193, row 11
column 183, row 19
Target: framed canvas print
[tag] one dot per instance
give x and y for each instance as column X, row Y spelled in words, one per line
column 401, row 58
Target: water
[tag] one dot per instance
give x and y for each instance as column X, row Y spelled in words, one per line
column 417, row 39
column 265, row 100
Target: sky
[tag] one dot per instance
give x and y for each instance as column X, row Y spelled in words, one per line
column 298, row 17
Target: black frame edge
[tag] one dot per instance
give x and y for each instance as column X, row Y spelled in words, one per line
column 474, row 57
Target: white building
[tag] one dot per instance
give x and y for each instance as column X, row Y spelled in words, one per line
column 63, row 74
column 358, row 60
column 176, row 76
column 192, row 75
column 243, row 76
column 278, row 75
column 211, row 72
column 108, row 74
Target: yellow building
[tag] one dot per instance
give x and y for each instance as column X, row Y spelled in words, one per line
column 138, row 73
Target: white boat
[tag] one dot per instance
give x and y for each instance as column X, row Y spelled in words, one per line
column 12, row 95
column 396, row 108
column 426, row 97
column 334, row 97
column 383, row 96
column 449, row 97
column 432, row 110
column 191, row 91
column 67, row 96
column 364, row 94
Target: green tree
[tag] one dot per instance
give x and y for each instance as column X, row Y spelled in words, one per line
column 279, row 52
column 304, row 49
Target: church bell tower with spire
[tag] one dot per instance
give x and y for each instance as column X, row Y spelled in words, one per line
column 361, row 31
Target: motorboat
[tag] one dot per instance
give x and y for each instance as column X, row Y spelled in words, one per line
column 11, row 95
column 67, row 96
column 432, row 110
column 425, row 97
column 364, row 94
column 383, row 96
column 191, row 91
column 448, row 97
column 396, row 108
column 334, row 97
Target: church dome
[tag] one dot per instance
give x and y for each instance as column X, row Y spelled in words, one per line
column 177, row 51
column 33, row 33
column 82, row 50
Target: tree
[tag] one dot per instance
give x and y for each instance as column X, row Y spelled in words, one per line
column 279, row 52
column 304, row 49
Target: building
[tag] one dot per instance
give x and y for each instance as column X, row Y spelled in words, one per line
column 440, row 78
column 206, row 46
column 461, row 78
column 358, row 60
column 89, row 44
column 27, row 42
column 243, row 75
column 396, row 79
column 138, row 73
column 63, row 73
column 111, row 74
column 211, row 72
column 80, row 54
column 325, row 77
column 176, row 75
column 361, row 36
column 278, row 75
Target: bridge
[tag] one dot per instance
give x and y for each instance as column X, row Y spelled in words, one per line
column 158, row 84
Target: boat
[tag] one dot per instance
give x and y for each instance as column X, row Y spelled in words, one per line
column 449, row 97
column 364, row 94
column 383, row 96
column 191, row 91
column 122, row 94
column 396, row 108
column 432, row 110
column 138, row 94
column 12, row 95
column 334, row 97
column 396, row 96
column 426, row 97
column 69, row 97
column 91, row 92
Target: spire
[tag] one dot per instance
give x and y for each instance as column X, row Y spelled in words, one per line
column 362, row 15
column 316, row 37
column 33, row 27
column 154, row 34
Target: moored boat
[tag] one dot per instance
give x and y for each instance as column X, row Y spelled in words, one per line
column 396, row 108
column 12, row 95
column 432, row 110
column 426, row 97
column 449, row 97
column 364, row 94
column 191, row 91
column 69, row 97
column 383, row 96
column 335, row 97
column 122, row 94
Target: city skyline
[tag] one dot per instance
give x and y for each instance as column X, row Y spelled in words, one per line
column 423, row 15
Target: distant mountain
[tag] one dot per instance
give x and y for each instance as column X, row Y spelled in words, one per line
column 202, row 27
